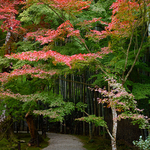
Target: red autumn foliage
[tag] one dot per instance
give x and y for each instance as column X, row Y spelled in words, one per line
column 72, row 5
column 125, row 19
column 89, row 22
column 49, row 35
column 120, row 25
column 8, row 14
column 26, row 70
column 57, row 57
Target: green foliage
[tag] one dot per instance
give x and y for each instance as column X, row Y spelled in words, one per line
column 2, row 39
column 98, row 121
column 13, row 107
column 141, row 91
column 143, row 123
column 143, row 145
column 7, row 145
column 39, row 13
column 34, row 90
column 71, row 48
column 57, row 108
column 101, row 8
column 96, row 10
column 101, row 143
column 24, row 86
column 4, row 62
column 23, row 46
column 81, row 106
column 2, row 51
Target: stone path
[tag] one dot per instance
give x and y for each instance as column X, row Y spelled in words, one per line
column 63, row 142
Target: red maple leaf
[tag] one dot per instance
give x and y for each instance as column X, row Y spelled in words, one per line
column 8, row 13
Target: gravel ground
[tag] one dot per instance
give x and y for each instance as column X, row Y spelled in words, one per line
column 63, row 142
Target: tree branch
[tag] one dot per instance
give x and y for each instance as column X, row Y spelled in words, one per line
column 109, row 133
column 80, row 42
column 53, row 10
column 136, row 57
column 127, row 54
column 86, row 46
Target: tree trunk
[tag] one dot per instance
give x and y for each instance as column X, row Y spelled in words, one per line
column 114, row 130
column 7, row 43
column 32, row 129
column 2, row 117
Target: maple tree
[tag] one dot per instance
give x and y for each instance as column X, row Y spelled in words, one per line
column 66, row 27
column 37, row 72
column 127, row 18
column 8, row 13
column 123, row 106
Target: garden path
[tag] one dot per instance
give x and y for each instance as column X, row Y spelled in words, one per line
column 63, row 142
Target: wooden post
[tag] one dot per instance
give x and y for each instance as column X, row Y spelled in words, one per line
column 17, row 127
column 38, row 140
column 19, row 145
column 27, row 129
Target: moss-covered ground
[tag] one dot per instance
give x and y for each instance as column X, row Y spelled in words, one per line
column 100, row 143
column 97, row 143
column 7, row 145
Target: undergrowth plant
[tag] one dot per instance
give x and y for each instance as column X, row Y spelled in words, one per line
column 143, row 144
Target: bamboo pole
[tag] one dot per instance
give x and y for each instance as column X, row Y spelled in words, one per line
column 69, row 90
column 84, row 103
column 80, row 82
column 73, row 89
column 65, row 97
column 80, row 92
column 62, row 93
column 89, row 112
column 99, row 114
column 94, row 111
